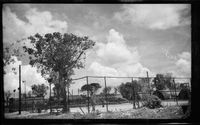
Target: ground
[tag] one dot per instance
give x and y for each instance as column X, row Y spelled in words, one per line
column 166, row 112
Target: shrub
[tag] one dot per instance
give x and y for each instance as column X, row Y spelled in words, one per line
column 158, row 94
column 184, row 94
column 151, row 101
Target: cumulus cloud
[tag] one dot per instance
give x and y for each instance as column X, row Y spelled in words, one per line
column 15, row 29
column 156, row 16
column 116, row 50
column 117, row 59
column 184, row 64
column 37, row 22
column 99, row 69
column 28, row 74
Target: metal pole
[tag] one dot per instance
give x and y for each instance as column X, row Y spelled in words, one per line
column 148, row 83
column 106, row 94
column 68, row 96
column 133, row 95
column 78, row 91
column 88, row 95
column 72, row 95
column 19, row 89
column 50, row 99
column 175, row 92
column 25, row 96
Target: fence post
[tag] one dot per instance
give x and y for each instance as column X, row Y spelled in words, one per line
column 88, row 95
column 68, row 101
column 175, row 92
column 19, row 89
column 148, row 83
column 133, row 96
column 106, row 94
column 72, row 96
column 50, row 100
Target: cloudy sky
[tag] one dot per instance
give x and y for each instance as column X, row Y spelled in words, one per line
column 130, row 38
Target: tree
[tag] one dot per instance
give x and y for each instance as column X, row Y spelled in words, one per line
column 11, row 50
column 58, row 53
column 116, row 89
column 107, row 90
column 130, row 90
column 92, row 89
column 39, row 90
column 144, row 83
column 168, row 80
column 162, row 81
column 7, row 96
column 29, row 93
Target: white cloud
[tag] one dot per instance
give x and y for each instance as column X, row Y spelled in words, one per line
column 37, row 22
column 117, row 59
column 185, row 55
column 28, row 74
column 15, row 29
column 43, row 22
column 101, row 70
column 184, row 64
column 116, row 50
column 156, row 16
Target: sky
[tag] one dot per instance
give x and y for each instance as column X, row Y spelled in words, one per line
column 131, row 39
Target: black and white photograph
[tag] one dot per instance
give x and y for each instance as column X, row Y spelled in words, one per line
column 96, row 61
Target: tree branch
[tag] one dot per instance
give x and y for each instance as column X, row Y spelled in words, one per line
column 74, row 62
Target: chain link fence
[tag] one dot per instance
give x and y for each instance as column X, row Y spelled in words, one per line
column 108, row 95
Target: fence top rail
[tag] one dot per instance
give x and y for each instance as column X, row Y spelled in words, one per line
column 124, row 77
column 79, row 78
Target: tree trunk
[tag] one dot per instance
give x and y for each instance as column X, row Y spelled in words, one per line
column 64, row 96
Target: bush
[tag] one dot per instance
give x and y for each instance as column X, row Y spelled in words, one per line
column 159, row 94
column 163, row 95
column 184, row 94
column 151, row 101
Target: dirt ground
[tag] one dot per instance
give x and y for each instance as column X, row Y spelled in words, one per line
column 166, row 112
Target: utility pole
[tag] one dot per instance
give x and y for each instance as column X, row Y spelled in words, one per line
column 88, row 95
column 19, row 89
column 148, row 83
column 106, row 94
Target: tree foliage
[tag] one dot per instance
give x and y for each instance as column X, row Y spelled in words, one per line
column 13, row 49
column 29, row 94
column 129, row 90
column 57, row 52
column 162, row 81
column 151, row 101
column 7, row 95
column 60, row 53
column 91, row 88
column 106, row 90
column 39, row 90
